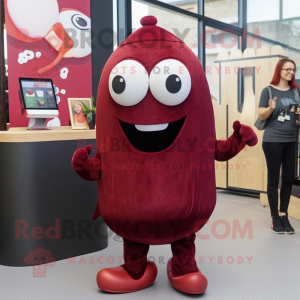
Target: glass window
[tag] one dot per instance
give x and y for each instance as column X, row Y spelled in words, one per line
column 5, row 50
column 216, row 41
column 262, row 11
column 222, row 10
column 291, row 9
column 190, row 5
column 276, row 20
column 185, row 28
column 115, row 23
column 259, row 43
column 291, row 54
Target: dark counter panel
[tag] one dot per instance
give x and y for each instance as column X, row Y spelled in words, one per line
column 40, row 190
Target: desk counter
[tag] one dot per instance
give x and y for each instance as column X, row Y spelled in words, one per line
column 44, row 204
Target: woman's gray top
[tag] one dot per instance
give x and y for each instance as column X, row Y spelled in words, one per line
column 277, row 131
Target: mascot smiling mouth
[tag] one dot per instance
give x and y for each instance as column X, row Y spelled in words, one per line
column 152, row 138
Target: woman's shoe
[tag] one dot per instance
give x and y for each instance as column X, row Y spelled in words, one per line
column 277, row 225
column 286, row 225
column 117, row 280
column 190, row 283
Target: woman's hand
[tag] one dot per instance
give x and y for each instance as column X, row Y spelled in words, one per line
column 298, row 111
column 272, row 103
column 265, row 112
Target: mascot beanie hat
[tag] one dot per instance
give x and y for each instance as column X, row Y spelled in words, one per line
column 150, row 34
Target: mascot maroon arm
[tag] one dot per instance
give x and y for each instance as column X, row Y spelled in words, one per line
column 87, row 168
column 243, row 135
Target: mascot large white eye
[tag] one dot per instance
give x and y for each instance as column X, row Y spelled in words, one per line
column 128, row 83
column 170, row 82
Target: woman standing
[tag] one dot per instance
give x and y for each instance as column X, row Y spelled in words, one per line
column 279, row 140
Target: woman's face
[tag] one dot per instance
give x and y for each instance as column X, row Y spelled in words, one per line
column 289, row 71
column 77, row 108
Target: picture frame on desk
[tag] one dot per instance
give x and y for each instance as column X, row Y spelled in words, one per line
column 78, row 119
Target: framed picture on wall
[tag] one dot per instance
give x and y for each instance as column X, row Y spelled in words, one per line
column 76, row 109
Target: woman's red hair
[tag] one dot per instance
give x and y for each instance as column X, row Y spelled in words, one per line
column 276, row 76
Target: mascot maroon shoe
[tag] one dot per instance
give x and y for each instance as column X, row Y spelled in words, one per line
column 156, row 147
column 117, row 280
column 190, row 283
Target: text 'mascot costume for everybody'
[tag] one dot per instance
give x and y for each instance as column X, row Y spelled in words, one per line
column 155, row 159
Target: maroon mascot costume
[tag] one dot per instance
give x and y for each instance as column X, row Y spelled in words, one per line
column 156, row 146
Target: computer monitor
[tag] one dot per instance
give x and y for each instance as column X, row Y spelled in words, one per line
column 39, row 101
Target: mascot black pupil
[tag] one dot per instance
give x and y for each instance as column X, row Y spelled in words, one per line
column 119, row 84
column 173, row 84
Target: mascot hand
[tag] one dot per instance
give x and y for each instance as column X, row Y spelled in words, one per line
column 80, row 157
column 246, row 132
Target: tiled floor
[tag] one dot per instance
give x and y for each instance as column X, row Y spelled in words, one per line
column 262, row 266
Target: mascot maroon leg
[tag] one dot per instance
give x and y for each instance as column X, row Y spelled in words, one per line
column 156, row 146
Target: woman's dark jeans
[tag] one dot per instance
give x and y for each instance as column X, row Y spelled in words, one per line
column 278, row 154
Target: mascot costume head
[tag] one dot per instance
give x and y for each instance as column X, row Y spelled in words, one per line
column 155, row 161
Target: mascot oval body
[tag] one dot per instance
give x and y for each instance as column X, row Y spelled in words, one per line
column 156, row 197
column 156, row 147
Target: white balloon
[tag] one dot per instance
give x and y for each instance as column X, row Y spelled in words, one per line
column 33, row 17
column 29, row 55
column 64, row 73
column 54, row 123
column 21, row 59
column 25, row 56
